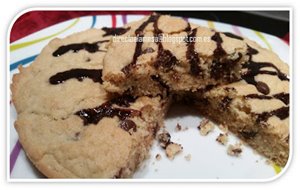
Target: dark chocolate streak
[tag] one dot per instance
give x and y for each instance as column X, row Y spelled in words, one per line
column 138, row 48
column 114, row 31
column 284, row 97
column 79, row 74
column 192, row 55
column 230, row 35
column 188, row 28
column 165, row 59
column 90, row 47
column 254, row 68
column 94, row 115
column 251, row 51
column 282, row 113
column 222, row 67
column 219, row 51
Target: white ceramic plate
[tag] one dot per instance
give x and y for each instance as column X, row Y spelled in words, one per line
column 209, row 159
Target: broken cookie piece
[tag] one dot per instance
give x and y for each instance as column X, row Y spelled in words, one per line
column 222, row 138
column 205, row 127
column 234, row 150
column 165, row 142
column 172, row 150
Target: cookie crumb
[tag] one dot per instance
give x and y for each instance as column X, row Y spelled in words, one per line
column 172, row 150
column 234, row 150
column 205, row 127
column 170, row 147
column 164, row 139
column 188, row 157
column 178, row 127
column 222, row 138
column 158, row 157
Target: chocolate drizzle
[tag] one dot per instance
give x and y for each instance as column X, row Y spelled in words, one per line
column 219, row 51
column 139, row 43
column 188, row 28
column 94, row 115
column 90, row 47
column 251, row 51
column 165, row 59
column 254, row 68
column 284, row 97
column 193, row 56
column 230, row 35
column 114, row 31
column 222, row 67
column 79, row 74
column 282, row 113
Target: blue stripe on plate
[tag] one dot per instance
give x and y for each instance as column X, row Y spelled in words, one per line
column 22, row 62
column 94, row 21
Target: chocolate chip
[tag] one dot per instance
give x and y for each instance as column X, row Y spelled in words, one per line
column 128, row 125
column 263, row 87
column 114, row 31
column 230, row 35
